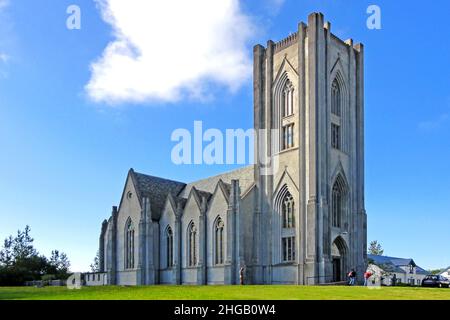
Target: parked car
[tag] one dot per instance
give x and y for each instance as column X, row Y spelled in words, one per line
column 436, row 281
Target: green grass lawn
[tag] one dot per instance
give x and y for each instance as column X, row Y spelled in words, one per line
column 223, row 293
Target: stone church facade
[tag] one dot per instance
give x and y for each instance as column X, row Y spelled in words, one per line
column 304, row 223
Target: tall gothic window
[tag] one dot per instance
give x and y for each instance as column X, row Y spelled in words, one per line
column 336, row 110
column 192, row 245
column 288, row 99
column 129, row 245
column 336, row 98
column 285, row 205
column 219, row 241
column 169, row 248
column 338, row 194
column 288, row 211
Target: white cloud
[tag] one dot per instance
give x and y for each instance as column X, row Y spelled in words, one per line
column 276, row 3
column 4, row 4
column 436, row 123
column 4, row 57
column 171, row 49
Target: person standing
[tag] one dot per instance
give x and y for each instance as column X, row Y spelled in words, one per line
column 352, row 276
column 367, row 275
column 394, row 280
column 241, row 275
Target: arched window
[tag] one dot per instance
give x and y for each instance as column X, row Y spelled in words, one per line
column 129, row 245
column 283, row 104
column 288, row 99
column 336, row 98
column 192, row 245
column 219, row 241
column 284, row 203
column 337, row 111
column 169, row 248
column 288, row 211
column 287, row 109
column 338, row 202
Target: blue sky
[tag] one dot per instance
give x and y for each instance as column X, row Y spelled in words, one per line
column 66, row 150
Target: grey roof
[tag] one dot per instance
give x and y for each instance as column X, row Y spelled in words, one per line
column 393, row 264
column 227, row 187
column 156, row 189
column 205, row 194
column 244, row 175
column 421, row 271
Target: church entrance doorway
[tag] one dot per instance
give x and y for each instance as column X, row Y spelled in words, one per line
column 338, row 259
column 336, row 269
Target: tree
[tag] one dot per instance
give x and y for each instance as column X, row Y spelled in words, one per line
column 6, row 254
column 20, row 261
column 434, row 271
column 375, row 248
column 95, row 265
column 59, row 264
column 22, row 246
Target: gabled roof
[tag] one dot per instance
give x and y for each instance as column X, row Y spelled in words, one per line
column 156, row 189
column 205, row 194
column 395, row 261
column 393, row 264
column 421, row 271
column 244, row 175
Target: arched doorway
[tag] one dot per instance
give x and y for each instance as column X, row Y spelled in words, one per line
column 338, row 259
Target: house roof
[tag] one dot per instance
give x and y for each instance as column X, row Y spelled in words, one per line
column 393, row 264
column 156, row 189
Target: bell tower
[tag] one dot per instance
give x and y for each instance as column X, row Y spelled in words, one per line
column 310, row 218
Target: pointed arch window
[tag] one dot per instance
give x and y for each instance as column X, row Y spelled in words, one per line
column 288, row 110
column 336, row 110
column 219, row 253
column 129, row 245
column 169, row 248
column 288, row 99
column 336, row 98
column 285, row 205
column 288, row 211
column 192, row 245
column 338, row 202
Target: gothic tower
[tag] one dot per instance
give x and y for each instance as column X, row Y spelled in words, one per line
column 310, row 220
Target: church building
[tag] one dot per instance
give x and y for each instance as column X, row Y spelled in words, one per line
column 303, row 223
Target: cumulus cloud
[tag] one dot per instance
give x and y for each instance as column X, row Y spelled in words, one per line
column 167, row 50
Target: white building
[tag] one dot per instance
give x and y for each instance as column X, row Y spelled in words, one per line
column 385, row 269
column 445, row 272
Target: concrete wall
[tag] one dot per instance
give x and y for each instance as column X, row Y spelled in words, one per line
column 129, row 208
column 191, row 212
column 217, row 208
column 126, row 278
column 95, row 279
